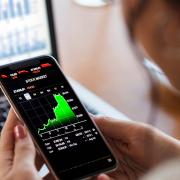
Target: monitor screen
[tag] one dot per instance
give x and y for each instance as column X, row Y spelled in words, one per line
column 24, row 30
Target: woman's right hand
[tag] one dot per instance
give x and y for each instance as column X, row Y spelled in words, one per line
column 138, row 147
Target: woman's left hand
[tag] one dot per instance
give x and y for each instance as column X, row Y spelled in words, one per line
column 17, row 152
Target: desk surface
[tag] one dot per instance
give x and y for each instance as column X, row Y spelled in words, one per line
column 94, row 50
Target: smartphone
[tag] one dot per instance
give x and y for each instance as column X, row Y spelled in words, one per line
column 61, row 128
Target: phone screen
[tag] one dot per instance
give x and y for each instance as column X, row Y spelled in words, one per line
column 58, row 122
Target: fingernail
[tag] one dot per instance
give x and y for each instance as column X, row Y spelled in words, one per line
column 103, row 177
column 20, row 132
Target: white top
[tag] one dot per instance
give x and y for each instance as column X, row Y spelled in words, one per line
column 167, row 171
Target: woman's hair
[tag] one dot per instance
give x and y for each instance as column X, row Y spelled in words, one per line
column 173, row 2
column 133, row 18
column 140, row 9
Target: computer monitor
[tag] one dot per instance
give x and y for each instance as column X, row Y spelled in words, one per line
column 27, row 30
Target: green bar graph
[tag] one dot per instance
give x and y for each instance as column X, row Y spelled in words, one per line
column 63, row 114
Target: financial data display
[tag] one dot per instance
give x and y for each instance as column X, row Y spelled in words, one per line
column 24, row 31
column 56, row 118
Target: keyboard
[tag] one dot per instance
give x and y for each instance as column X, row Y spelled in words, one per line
column 4, row 109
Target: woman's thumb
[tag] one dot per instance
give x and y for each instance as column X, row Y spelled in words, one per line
column 24, row 147
column 114, row 128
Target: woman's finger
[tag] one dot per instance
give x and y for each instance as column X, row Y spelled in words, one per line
column 7, row 142
column 103, row 177
column 7, row 136
column 24, row 148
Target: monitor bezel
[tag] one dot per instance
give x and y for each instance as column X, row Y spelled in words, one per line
column 52, row 29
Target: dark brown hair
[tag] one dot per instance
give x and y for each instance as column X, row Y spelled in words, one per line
column 133, row 18
column 174, row 2
column 140, row 8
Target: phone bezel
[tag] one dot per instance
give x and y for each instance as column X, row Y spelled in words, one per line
column 13, row 105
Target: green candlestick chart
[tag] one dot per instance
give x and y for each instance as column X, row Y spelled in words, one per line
column 63, row 114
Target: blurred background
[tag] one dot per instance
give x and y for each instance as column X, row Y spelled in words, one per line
column 94, row 49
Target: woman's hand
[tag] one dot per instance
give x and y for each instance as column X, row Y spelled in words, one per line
column 138, row 147
column 17, row 152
